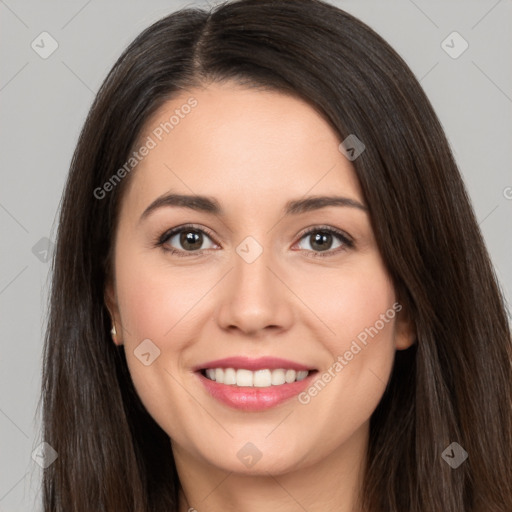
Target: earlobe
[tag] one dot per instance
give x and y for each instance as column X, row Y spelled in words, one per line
column 111, row 304
column 405, row 330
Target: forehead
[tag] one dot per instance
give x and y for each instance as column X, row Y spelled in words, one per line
column 249, row 148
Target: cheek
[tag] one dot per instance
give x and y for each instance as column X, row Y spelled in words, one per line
column 352, row 299
column 366, row 328
column 155, row 309
column 155, row 302
column 358, row 305
column 162, row 305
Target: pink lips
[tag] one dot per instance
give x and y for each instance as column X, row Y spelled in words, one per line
column 248, row 398
column 261, row 363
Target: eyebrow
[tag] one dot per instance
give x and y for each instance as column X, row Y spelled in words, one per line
column 211, row 205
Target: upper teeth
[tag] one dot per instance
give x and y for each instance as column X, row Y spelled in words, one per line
column 259, row 378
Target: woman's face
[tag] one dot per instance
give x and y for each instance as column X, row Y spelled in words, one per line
column 256, row 276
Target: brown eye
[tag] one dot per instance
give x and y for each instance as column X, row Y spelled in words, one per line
column 322, row 240
column 185, row 239
column 191, row 240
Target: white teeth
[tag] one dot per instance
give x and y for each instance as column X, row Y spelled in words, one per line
column 262, row 379
column 259, row 379
column 243, row 378
column 278, row 377
column 290, row 376
column 229, row 376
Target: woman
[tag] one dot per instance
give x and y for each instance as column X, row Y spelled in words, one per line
column 269, row 287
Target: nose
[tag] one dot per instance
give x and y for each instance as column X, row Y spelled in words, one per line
column 255, row 299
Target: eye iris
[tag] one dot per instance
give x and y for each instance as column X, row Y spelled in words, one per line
column 323, row 240
column 188, row 238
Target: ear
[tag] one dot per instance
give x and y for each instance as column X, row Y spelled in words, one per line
column 405, row 329
column 110, row 298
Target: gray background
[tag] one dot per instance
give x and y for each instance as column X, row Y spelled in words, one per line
column 43, row 103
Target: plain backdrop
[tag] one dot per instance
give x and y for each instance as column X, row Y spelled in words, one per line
column 44, row 101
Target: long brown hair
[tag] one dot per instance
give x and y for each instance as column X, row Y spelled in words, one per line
column 453, row 385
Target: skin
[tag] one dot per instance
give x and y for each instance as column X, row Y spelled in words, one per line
column 253, row 151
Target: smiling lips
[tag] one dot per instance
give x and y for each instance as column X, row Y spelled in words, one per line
column 254, row 384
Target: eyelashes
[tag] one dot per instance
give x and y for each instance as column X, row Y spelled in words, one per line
column 345, row 242
column 187, row 228
column 324, row 233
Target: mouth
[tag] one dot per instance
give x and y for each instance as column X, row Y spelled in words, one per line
column 254, row 384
